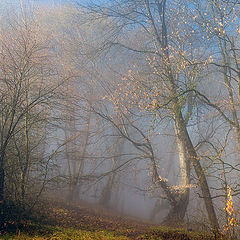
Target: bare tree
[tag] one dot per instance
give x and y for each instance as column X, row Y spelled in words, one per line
column 152, row 19
column 29, row 82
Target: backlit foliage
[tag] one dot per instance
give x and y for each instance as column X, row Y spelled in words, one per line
column 233, row 214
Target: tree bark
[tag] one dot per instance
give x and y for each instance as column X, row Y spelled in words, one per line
column 177, row 211
column 185, row 139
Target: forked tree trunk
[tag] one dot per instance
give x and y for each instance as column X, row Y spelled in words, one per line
column 181, row 128
column 179, row 207
column 177, row 211
column 186, row 141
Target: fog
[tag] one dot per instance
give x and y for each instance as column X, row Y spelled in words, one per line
column 127, row 105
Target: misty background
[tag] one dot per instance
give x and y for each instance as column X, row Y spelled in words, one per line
column 129, row 105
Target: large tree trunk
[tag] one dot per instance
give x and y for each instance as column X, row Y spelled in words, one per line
column 178, row 209
column 185, row 139
column 205, row 189
column 187, row 153
column 181, row 129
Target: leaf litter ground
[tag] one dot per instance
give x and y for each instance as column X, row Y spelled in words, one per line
column 83, row 221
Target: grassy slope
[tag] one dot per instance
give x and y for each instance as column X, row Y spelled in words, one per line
column 66, row 222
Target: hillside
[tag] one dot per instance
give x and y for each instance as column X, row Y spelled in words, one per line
column 83, row 221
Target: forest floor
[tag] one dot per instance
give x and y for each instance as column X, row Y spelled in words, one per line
column 83, row 222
